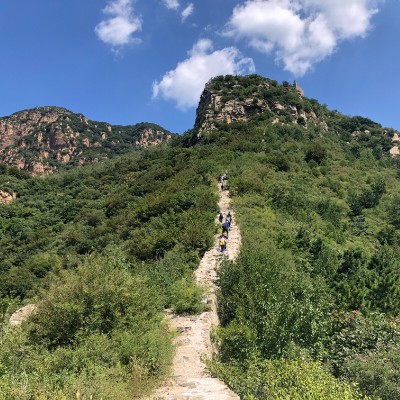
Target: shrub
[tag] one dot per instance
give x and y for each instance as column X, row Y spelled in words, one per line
column 316, row 152
column 100, row 296
column 186, row 297
column 285, row 379
column 98, row 330
column 266, row 294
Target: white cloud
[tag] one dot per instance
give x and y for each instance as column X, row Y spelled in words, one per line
column 171, row 4
column 300, row 33
column 186, row 82
column 118, row 29
column 348, row 18
column 187, row 11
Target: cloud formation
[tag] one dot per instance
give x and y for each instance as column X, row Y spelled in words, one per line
column 187, row 11
column 118, row 29
column 185, row 83
column 171, row 4
column 300, row 33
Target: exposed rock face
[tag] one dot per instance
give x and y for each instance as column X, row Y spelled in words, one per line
column 214, row 109
column 44, row 139
column 237, row 100
column 152, row 137
column 22, row 315
column 6, row 198
column 394, row 151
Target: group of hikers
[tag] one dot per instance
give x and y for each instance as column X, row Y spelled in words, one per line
column 221, row 181
column 226, row 225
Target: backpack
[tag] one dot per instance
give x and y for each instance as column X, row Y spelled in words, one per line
column 222, row 242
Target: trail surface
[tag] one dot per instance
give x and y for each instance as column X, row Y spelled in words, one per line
column 190, row 378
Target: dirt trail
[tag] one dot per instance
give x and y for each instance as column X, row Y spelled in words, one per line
column 190, row 378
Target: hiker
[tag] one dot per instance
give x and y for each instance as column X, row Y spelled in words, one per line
column 219, row 178
column 225, row 229
column 222, row 243
column 221, row 217
column 229, row 218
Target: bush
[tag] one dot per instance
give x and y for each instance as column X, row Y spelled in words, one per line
column 100, row 296
column 186, row 297
column 316, row 152
column 266, row 295
column 98, row 330
column 285, row 379
column 377, row 372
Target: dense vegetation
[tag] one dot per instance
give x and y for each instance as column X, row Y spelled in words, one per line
column 101, row 250
column 309, row 310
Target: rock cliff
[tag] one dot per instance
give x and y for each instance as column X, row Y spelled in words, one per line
column 235, row 98
column 45, row 139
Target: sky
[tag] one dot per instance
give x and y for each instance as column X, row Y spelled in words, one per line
column 130, row 61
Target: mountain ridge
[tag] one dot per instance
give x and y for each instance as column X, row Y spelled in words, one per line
column 44, row 139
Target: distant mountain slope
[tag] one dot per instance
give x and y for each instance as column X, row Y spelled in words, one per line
column 44, row 139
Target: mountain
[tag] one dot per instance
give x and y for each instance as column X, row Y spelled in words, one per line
column 309, row 309
column 44, row 139
column 229, row 99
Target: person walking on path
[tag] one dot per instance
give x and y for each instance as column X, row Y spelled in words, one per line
column 225, row 229
column 229, row 218
column 221, row 217
column 222, row 243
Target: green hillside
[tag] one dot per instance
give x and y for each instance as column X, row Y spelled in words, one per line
column 102, row 250
column 308, row 311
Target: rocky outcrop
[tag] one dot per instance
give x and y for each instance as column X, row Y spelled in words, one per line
column 152, row 137
column 6, row 198
column 394, row 151
column 22, row 315
column 44, row 139
column 232, row 99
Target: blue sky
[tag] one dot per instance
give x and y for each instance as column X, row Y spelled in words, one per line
column 130, row 61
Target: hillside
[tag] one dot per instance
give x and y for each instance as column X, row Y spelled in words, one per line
column 45, row 139
column 310, row 308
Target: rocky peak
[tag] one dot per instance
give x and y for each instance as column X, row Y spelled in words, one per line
column 227, row 99
column 43, row 139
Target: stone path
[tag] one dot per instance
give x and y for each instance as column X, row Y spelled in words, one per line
column 190, row 378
